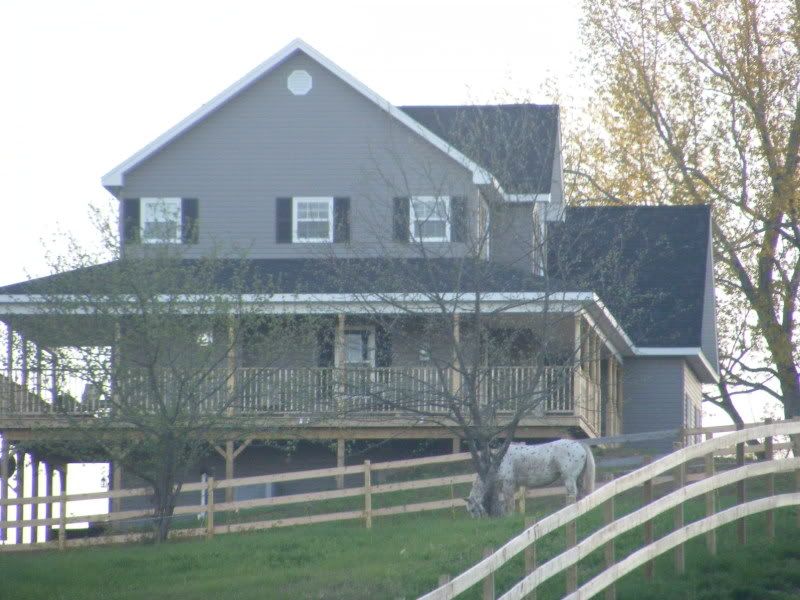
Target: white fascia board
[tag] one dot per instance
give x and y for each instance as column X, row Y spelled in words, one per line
column 697, row 359
column 502, row 302
column 116, row 176
column 527, row 197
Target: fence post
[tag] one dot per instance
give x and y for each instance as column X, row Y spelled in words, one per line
column 444, row 579
column 522, row 491
column 488, row 582
column 530, row 555
column 367, row 495
column 711, row 501
column 741, row 494
column 572, row 540
column 679, row 482
column 769, row 454
column 610, row 550
column 62, row 511
column 648, row 526
column 452, row 497
column 210, row 508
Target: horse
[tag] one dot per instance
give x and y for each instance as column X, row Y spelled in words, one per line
column 533, row 466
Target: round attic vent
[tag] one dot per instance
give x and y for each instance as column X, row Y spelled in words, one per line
column 299, row 83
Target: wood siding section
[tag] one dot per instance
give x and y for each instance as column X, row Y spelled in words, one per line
column 267, row 143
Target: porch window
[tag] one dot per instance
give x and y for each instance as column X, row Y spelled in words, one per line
column 359, row 347
column 430, row 220
column 313, row 219
column 161, row 220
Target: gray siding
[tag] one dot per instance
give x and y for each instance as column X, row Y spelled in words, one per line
column 267, row 143
column 708, row 335
column 653, row 396
column 511, row 234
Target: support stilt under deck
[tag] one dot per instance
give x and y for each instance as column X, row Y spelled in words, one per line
column 340, row 462
column 48, row 491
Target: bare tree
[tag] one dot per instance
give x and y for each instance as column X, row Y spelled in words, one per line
column 148, row 352
column 463, row 292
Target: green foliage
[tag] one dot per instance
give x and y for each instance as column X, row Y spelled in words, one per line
column 401, row 557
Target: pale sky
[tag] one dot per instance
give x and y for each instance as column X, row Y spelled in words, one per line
column 87, row 83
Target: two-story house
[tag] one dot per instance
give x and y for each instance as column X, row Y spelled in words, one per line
column 399, row 229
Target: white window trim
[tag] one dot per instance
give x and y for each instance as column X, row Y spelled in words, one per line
column 295, row 201
column 177, row 202
column 413, row 222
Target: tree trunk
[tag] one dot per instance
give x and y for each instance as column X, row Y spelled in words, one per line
column 165, row 500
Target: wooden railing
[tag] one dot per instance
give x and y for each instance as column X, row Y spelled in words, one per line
column 676, row 463
column 310, row 390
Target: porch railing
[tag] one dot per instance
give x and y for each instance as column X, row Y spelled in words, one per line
column 559, row 391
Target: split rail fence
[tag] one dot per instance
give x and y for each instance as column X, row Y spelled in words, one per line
column 672, row 467
column 57, row 518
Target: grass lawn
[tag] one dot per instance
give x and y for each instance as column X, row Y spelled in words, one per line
column 401, row 557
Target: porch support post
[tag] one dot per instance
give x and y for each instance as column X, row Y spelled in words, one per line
column 34, row 494
column 339, row 361
column 9, row 351
column 229, row 469
column 456, row 445
column 340, row 462
column 232, row 360
column 10, row 365
column 3, row 482
column 577, row 364
column 24, row 363
column 48, row 506
column 456, row 372
column 20, row 456
column 54, row 382
column 38, row 372
column 24, row 399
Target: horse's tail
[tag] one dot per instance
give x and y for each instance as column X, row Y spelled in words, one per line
column 588, row 472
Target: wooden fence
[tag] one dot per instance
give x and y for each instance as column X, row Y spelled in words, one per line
column 213, row 510
column 676, row 464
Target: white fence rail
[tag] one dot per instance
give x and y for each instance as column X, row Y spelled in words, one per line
column 645, row 476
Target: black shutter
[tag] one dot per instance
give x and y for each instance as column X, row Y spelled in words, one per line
column 325, row 342
column 383, row 347
column 131, row 221
column 341, row 220
column 189, row 222
column 458, row 219
column 283, row 221
column 400, row 220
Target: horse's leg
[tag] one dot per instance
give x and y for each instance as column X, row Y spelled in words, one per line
column 570, row 482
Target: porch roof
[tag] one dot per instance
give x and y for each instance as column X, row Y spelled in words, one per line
column 297, row 276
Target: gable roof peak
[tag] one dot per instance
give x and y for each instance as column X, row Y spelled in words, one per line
column 116, row 176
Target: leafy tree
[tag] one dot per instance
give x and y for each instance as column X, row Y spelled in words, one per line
column 699, row 103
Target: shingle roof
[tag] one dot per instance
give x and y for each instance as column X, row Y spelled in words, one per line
column 648, row 266
column 515, row 142
column 300, row 275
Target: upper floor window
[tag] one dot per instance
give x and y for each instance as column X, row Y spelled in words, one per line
column 313, row 219
column 161, row 220
column 430, row 218
column 307, row 219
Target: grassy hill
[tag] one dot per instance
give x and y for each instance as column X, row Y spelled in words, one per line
column 401, row 557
